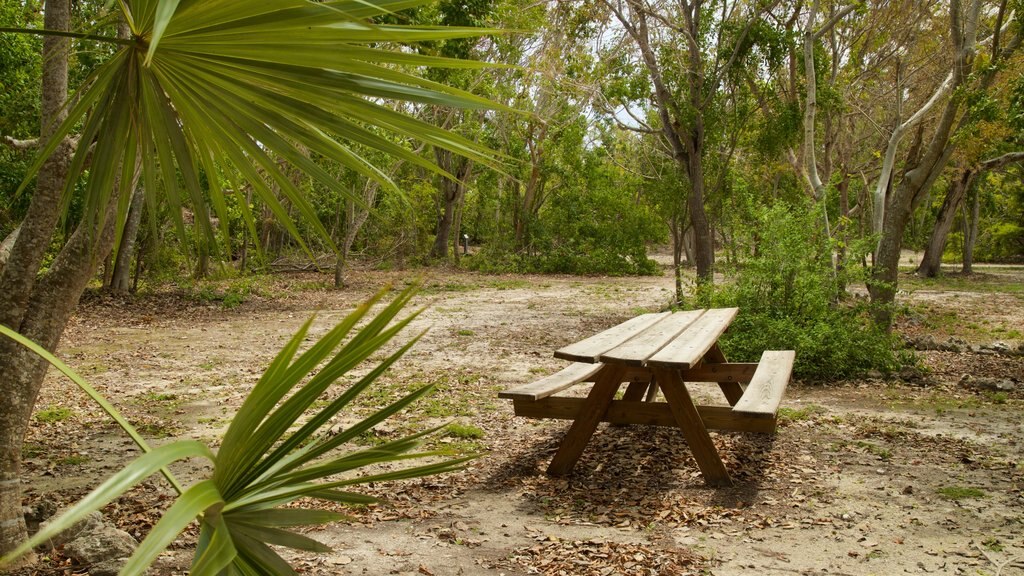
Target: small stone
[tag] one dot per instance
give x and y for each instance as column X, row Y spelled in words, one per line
column 908, row 490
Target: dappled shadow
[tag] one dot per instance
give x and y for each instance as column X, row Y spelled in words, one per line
column 630, row 475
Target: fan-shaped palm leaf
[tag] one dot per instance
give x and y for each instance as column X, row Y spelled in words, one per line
column 227, row 87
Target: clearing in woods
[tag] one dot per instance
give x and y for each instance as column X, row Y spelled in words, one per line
column 914, row 474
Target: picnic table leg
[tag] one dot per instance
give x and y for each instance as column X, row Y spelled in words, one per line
column 635, row 391
column 732, row 390
column 590, row 415
column 688, row 419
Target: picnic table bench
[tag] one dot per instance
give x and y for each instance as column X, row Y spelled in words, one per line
column 652, row 352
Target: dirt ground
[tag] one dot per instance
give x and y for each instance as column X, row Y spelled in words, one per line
column 881, row 476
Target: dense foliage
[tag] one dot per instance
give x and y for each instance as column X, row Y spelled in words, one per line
column 791, row 298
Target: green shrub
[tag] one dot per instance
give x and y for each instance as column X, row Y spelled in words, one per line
column 791, row 298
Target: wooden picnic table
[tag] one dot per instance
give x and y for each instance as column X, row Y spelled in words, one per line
column 652, row 352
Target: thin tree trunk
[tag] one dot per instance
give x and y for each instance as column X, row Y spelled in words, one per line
column 971, row 228
column 451, row 195
column 931, row 262
column 120, row 281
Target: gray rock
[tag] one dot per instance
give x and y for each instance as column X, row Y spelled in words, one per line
column 1000, row 347
column 88, row 524
column 105, row 543
column 953, row 344
column 107, row 567
column 990, row 384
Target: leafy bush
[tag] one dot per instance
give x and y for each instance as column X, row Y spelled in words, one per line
column 790, row 297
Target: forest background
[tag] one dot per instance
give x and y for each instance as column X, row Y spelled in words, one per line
column 787, row 151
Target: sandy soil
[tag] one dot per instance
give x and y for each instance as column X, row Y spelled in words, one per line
column 857, row 480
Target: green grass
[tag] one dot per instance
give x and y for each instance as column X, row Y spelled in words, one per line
column 465, row 432
column 52, row 414
column 985, row 282
column 74, row 460
column 510, row 284
column 883, row 453
column 957, row 493
column 465, row 332
column 799, row 414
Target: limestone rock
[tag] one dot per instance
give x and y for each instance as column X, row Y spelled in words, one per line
column 100, row 545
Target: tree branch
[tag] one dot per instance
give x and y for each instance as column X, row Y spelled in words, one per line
column 1000, row 161
column 16, row 144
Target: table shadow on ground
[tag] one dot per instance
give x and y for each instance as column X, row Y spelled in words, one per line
column 630, row 471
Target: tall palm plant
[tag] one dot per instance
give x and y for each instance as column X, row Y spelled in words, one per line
column 276, row 451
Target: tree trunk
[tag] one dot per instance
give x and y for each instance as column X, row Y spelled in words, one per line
column 932, row 259
column 971, row 232
column 451, row 194
column 20, row 374
column 923, row 166
column 120, row 282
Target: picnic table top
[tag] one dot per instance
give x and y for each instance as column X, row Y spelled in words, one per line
column 665, row 339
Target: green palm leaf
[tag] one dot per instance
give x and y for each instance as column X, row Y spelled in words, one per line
column 232, row 87
column 273, row 454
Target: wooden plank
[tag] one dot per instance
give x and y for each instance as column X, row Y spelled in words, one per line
column 640, row 412
column 731, row 389
column 738, row 372
column 590, row 350
column 591, row 414
column 564, row 378
column 764, row 393
column 689, row 421
column 639, row 348
column 689, row 347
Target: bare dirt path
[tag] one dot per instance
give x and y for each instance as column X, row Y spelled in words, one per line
column 871, row 477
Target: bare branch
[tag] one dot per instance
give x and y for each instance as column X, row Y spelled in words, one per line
column 827, row 26
column 1000, row 161
column 16, row 144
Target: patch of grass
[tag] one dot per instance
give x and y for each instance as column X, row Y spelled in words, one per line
column 466, row 432
column 156, row 430
column 799, row 414
column 159, row 397
column 978, row 282
column 73, row 460
column 883, row 453
column 510, row 284
column 998, row 397
column 465, row 332
column 992, row 544
column 448, row 287
column 53, row 414
column 957, row 493
column 32, row 450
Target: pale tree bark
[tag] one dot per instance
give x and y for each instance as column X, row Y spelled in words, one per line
column 810, row 161
column 920, row 172
column 120, row 279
